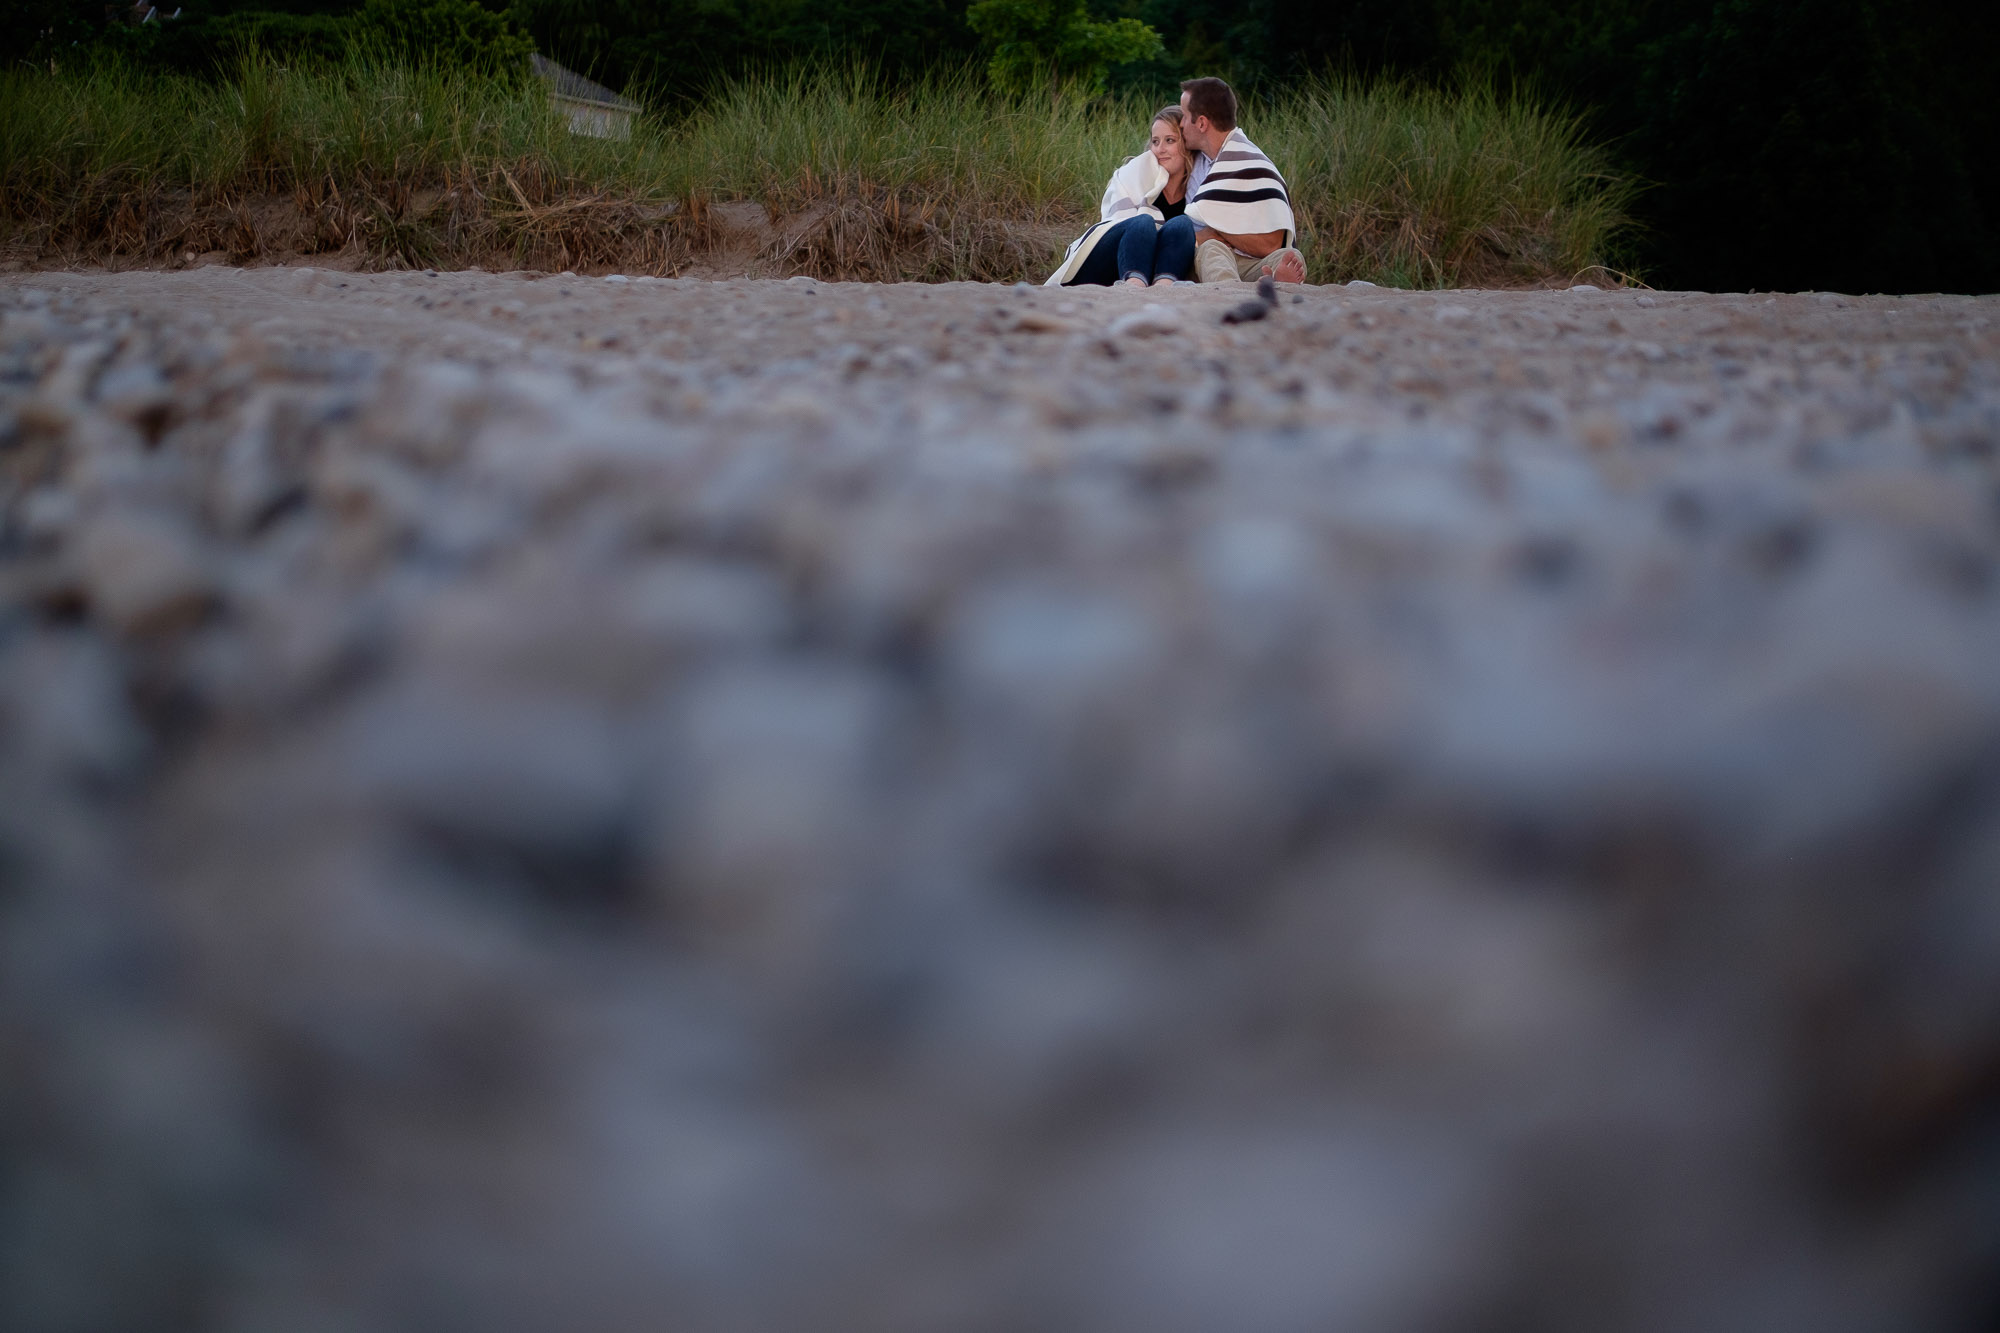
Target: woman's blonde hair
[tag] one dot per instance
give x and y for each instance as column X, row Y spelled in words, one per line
column 1170, row 113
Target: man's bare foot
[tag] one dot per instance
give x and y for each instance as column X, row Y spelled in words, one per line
column 1290, row 268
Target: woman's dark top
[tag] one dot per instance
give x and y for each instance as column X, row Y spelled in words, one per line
column 1168, row 212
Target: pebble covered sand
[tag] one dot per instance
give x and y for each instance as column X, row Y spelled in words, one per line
column 555, row 803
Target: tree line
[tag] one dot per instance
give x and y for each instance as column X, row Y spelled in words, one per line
column 1786, row 144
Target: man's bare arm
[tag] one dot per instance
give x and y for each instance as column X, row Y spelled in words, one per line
column 1257, row 245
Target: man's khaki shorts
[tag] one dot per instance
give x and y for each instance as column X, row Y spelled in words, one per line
column 1216, row 261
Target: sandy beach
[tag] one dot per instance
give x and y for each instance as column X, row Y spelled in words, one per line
column 539, row 802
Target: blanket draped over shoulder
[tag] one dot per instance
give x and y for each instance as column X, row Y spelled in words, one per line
column 1242, row 194
column 1132, row 190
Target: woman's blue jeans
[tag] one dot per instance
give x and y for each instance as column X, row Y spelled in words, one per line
column 1139, row 246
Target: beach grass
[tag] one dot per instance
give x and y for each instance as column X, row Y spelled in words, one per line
column 1416, row 186
column 399, row 166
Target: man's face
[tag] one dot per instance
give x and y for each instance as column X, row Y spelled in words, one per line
column 1196, row 132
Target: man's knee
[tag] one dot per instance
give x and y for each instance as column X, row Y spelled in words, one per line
column 1215, row 261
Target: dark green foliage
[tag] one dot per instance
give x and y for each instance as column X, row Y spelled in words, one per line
column 457, row 33
column 675, row 50
column 1822, row 143
column 43, row 31
column 204, row 39
column 1197, row 37
column 210, row 36
column 1261, row 44
column 1366, row 36
column 1056, row 42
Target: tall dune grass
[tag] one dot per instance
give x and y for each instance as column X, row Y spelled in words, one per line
column 942, row 180
column 1425, row 187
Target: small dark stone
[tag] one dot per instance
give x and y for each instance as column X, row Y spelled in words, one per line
column 1685, row 511
column 1781, row 547
column 1246, row 313
column 1547, row 561
column 1964, row 569
column 1267, row 290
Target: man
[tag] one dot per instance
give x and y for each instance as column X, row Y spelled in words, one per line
column 1242, row 213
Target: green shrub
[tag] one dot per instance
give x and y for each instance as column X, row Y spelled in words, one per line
column 675, row 52
column 1037, row 43
column 288, row 37
column 39, row 32
column 213, row 36
column 456, row 33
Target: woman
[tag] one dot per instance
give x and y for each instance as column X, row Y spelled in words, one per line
column 1144, row 235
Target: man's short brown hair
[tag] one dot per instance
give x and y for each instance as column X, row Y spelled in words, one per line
column 1211, row 98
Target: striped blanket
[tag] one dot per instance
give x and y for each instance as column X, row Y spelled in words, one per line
column 1132, row 190
column 1240, row 193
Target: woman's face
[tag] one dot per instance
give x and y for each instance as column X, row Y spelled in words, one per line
column 1168, row 150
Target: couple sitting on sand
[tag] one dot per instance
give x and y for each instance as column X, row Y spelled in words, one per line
column 1202, row 203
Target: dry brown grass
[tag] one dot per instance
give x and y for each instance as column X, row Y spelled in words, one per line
column 510, row 217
